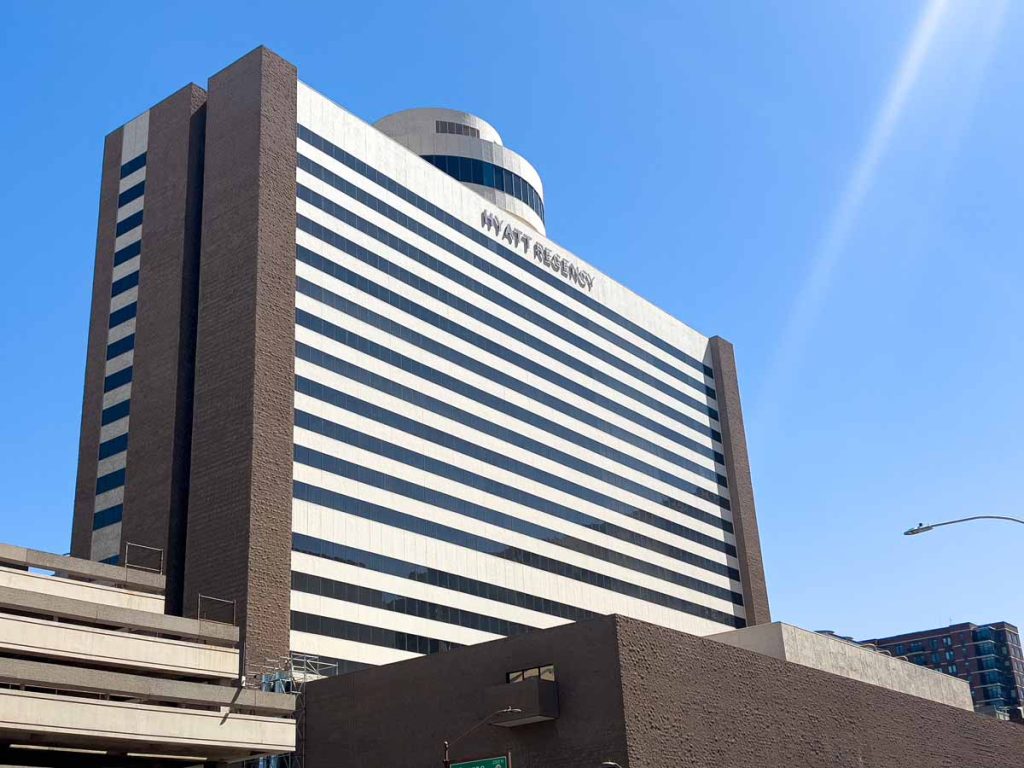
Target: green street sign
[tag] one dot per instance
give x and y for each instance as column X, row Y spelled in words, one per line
column 484, row 762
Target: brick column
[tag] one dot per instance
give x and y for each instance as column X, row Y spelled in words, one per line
column 239, row 529
column 741, row 488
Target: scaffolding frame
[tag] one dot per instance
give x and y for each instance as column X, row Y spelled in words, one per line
column 289, row 674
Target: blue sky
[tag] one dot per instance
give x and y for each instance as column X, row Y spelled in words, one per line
column 834, row 187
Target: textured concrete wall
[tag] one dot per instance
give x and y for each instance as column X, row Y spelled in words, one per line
column 692, row 701
column 96, row 353
column 829, row 654
column 401, row 713
column 239, row 528
column 645, row 697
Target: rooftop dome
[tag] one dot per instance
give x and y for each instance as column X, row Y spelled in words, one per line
column 470, row 149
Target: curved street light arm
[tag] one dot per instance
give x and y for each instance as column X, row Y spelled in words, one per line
column 922, row 528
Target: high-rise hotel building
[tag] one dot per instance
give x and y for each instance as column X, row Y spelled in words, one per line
column 339, row 374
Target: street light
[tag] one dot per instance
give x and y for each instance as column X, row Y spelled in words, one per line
column 922, row 528
column 506, row 711
column 608, row 764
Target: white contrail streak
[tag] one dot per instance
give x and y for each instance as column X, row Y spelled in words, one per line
column 808, row 302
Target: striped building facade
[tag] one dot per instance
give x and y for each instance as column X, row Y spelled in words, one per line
column 112, row 453
column 415, row 422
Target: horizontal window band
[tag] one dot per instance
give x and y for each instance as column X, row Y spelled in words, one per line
column 340, row 553
column 127, row 253
column 123, row 314
column 366, row 510
column 409, row 606
column 504, row 351
column 431, row 289
column 115, row 412
column 110, row 481
column 473, row 171
column 367, row 635
column 128, row 224
column 495, row 348
column 338, row 272
column 126, row 283
column 488, row 426
column 113, row 446
column 360, row 167
column 133, row 165
column 107, row 516
column 446, row 439
column 120, row 346
column 355, row 341
column 466, row 360
column 112, row 560
column 453, row 384
column 460, row 506
column 348, row 217
column 132, row 193
column 117, row 379
column 497, row 297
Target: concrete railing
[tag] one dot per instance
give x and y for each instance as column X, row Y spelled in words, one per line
column 49, row 606
column 89, row 570
column 142, row 688
column 46, row 718
column 81, row 590
column 108, row 648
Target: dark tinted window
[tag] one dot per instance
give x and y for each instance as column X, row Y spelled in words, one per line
column 129, row 223
column 108, row 482
column 133, row 165
column 108, row 516
column 128, row 252
column 132, row 193
column 113, row 445
column 124, row 284
column 120, row 346
column 115, row 412
column 117, row 379
column 447, row 126
column 119, row 316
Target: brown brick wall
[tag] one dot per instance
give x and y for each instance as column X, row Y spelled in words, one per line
column 239, row 532
column 158, row 449
column 96, row 352
column 741, row 487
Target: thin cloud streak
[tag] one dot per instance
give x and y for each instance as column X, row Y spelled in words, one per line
column 812, row 293
column 985, row 30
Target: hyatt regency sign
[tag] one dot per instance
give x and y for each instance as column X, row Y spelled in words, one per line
column 519, row 240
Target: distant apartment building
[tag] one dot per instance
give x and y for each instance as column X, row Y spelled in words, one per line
column 988, row 656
